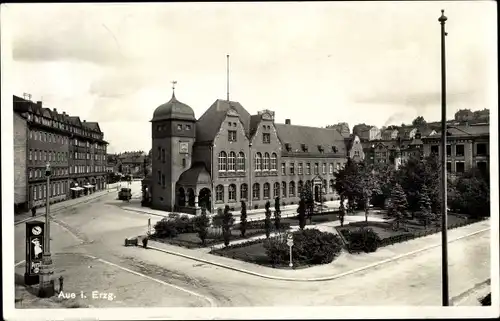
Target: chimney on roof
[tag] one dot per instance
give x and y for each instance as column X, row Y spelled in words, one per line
column 288, row 122
column 84, row 121
column 55, row 110
column 39, row 103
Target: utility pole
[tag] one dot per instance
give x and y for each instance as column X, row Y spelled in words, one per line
column 444, row 194
column 46, row 271
column 227, row 67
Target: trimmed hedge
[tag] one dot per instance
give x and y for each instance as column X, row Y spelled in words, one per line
column 362, row 240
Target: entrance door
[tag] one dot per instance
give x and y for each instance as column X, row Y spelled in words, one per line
column 204, row 199
column 316, row 193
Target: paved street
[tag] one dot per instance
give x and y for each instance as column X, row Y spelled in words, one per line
column 140, row 277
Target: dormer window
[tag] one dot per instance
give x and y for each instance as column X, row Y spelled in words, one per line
column 334, row 149
column 288, row 147
column 179, row 127
column 320, row 149
column 304, row 147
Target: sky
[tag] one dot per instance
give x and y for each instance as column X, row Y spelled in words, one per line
column 315, row 63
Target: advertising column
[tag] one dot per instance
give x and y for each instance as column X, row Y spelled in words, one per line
column 35, row 237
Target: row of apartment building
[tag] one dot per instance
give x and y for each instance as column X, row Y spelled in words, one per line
column 75, row 150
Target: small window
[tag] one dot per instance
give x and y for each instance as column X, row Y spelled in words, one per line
column 448, row 150
column 231, row 135
column 179, row 127
column 183, row 162
column 188, row 127
column 459, row 151
column 266, row 138
column 481, row 149
column 460, row 167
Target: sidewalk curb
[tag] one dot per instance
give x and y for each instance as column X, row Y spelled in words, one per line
column 142, row 212
column 327, row 278
column 60, row 209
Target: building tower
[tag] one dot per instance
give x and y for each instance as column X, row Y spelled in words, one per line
column 173, row 132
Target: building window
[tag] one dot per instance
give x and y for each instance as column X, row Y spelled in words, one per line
column 435, row 149
column 219, row 193
column 300, row 186
column 256, row 191
column 231, row 135
column 291, row 189
column 266, row 138
column 258, row 161
column 283, row 189
column 331, row 187
column 31, row 173
column 482, row 167
column 241, row 161
column 183, row 162
column 283, row 169
column 243, row 191
column 459, row 150
column 300, row 169
column 267, row 191
column 276, row 190
column 231, row 161
column 266, row 162
column 308, row 169
column 448, row 150
column 188, row 127
column 324, row 168
column 232, row 193
column 448, row 166
column 31, row 155
column 292, row 168
column 274, row 160
column 222, row 161
column 481, row 149
column 316, row 168
column 330, row 168
column 179, row 127
column 460, row 167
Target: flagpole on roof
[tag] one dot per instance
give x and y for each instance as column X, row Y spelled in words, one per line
column 227, row 67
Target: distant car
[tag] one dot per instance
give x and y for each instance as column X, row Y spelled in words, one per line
column 125, row 194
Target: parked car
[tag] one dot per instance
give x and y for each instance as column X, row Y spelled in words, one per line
column 125, row 194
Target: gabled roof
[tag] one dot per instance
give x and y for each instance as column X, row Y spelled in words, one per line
column 209, row 123
column 94, row 126
column 312, row 137
column 75, row 120
column 254, row 123
column 196, row 175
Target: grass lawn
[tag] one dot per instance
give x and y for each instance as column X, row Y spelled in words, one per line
column 191, row 240
column 316, row 219
column 253, row 253
column 412, row 227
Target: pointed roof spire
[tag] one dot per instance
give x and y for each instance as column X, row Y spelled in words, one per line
column 173, row 88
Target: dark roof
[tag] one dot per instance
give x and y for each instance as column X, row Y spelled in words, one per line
column 254, row 123
column 197, row 174
column 312, row 137
column 173, row 109
column 209, row 123
column 94, row 126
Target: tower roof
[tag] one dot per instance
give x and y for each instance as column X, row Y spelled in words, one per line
column 173, row 109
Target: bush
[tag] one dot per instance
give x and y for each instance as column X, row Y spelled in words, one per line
column 311, row 246
column 165, row 228
column 362, row 240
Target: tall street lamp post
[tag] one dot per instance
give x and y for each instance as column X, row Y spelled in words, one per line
column 444, row 205
column 46, row 269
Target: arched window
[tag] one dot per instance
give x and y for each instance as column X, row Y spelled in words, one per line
column 256, row 191
column 266, row 161
column 291, row 189
column 241, row 162
column 300, row 187
column 219, row 193
column 258, row 161
column 232, row 193
column 331, row 187
column 267, row 192
column 283, row 188
column 222, row 161
column 274, row 160
column 231, row 161
column 182, row 197
column 244, row 192
column 276, row 190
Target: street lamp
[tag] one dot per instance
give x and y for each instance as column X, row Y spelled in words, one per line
column 444, row 205
column 46, row 269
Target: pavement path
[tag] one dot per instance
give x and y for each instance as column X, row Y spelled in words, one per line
column 98, row 229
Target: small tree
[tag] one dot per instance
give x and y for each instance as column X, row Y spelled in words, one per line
column 227, row 222
column 425, row 206
column 267, row 221
column 307, row 195
column 243, row 219
column 302, row 213
column 201, row 224
column 398, row 205
column 277, row 213
column 342, row 210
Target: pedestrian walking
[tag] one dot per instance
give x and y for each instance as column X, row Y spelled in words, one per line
column 33, row 211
